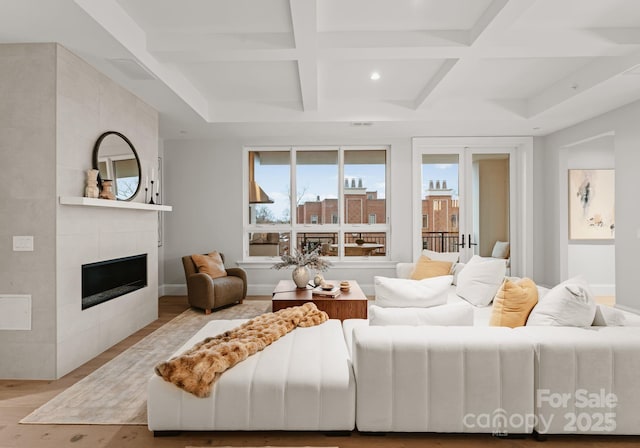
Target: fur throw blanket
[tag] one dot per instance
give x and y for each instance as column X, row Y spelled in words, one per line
column 198, row 368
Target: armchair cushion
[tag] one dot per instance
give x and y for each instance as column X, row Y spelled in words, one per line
column 210, row 264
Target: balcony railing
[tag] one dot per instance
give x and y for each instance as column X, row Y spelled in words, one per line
column 310, row 241
column 441, row 241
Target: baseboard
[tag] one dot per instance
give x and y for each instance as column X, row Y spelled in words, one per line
column 173, row 290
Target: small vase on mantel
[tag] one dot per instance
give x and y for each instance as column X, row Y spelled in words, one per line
column 92, row 190
column 107, row 190
column 301, row 276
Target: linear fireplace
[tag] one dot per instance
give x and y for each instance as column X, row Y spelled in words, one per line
column 106, row 280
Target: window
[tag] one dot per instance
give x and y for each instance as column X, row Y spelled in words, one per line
column 425, row 221
column 339, row 205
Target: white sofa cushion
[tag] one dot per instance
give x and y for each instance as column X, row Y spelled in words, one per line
column 607, row 316
column 402, row 293
column 480, row 279
column 460, row 314
column 442, row 379
column 569, row 304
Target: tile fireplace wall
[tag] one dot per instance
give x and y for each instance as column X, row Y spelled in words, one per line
column 82, row 103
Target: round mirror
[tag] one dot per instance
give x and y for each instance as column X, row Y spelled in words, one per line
column 116, row 159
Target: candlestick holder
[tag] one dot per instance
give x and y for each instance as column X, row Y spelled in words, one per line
column 146, row 189
column 151, row 200
column 158, row 198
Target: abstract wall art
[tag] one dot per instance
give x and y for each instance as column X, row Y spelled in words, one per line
column 591, row 204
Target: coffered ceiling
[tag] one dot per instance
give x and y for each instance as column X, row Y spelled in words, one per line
column 281, row 67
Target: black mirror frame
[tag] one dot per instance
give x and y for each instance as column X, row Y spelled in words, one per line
column 96, row 149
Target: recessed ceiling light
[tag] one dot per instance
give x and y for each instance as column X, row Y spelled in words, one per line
column 375, row 76
column 537, row 128
column 361, row 123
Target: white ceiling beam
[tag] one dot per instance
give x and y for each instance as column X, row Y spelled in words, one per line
column 194, row 57
column 349, row 110
column 443, row 71
column 305, row 29
column 383, row 39
column 110, row 16
column 499, row 15
column 580, row 81
column 193, row 41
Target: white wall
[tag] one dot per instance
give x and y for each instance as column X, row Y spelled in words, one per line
column 622, row 123
column 204, row 186
column 28, row 204
column 597, row 153
column 88, row 104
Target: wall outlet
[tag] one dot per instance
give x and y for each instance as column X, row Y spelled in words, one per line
column 23, row 243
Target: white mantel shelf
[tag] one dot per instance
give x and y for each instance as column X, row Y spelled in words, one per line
column 90, row 202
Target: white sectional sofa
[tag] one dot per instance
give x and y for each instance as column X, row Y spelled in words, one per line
column 475, row 378
column 304, row 381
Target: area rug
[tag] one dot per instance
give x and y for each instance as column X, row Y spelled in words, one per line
column 116, row 393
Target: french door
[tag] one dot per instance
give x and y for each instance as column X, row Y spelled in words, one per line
column 465, row 198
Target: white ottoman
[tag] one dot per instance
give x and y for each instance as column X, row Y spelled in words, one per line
column 304, row 381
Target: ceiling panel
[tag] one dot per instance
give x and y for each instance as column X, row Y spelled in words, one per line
column 220, row 16
column 513, row 78
column 400, row 80
column 246, row 81
column 581, row 14
column 399, row 15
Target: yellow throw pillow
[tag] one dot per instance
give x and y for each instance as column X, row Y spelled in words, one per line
column 210, row 264
column 513, row 303
column 427, row 268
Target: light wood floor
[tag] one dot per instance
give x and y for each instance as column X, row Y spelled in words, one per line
column 18, row 398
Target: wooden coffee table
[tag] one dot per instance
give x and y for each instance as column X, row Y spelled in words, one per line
column 350, row 304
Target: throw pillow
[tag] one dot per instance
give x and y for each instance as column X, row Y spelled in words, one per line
column 480, row 279
column 210, row 264
column 458, row 314
column 402, row 292
column 455, row 270
column 607, row 316
column 427, row 268
column 441, row 256
column 500, row 249
column 569, row 304
column 513, row 303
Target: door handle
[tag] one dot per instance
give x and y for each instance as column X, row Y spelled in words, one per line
column 470, row 243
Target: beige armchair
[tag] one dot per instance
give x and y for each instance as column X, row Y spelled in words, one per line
column 208, row 293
